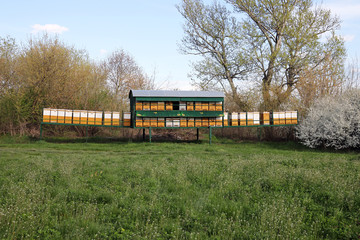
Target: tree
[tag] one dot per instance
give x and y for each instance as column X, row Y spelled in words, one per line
column 123, row 74
column 211, row 32
column 278, row 40
column 332, row 122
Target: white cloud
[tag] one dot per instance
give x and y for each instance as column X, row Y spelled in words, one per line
column 348, row 38
column 50, row 28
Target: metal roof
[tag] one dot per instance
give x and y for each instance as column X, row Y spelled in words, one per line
column 166, row 93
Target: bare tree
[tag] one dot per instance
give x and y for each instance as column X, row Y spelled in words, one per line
column 123, row 74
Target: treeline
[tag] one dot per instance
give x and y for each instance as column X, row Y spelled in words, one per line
column 45, row 72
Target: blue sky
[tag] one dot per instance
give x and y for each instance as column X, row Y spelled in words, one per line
column 149, row 30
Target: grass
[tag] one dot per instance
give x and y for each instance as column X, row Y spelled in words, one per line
column 119, row 190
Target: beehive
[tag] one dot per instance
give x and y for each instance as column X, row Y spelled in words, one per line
column 60, row 115
column 176, row 122
column 98, row 118
column 198, row 122
column 294, row 117
column 226, row 119
column 161, row 122
column 190, row 106
column 169, row 122
column 212, row 122
column 53, row 115
column 198, row 106
column 154, row 106
column 219, row 122
column 265, row 118
column 282, row 118
column 256, row 118
column 169, row 106
column 250, row 119
column 204, row 106
column 242, row 118
column 126, row 119
column 288, row 117
column 205, row 122
column 146, row 122
column 146, row 106
column 234, row 119
column 76, row 116
column 91, row 117
column 46, row 114
column 139, row 106
column 68, row 116
column 219, row 106
column 107, row 118
column 153, row 122
column 182, row 106
column 190, row 122
column 212, row 106
column 138, row 122
column 116, row 118
column 276, row 118
column 183, row 122
column 161, row 106
column 83, row 116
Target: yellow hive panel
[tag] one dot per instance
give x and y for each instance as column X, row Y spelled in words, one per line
column 146, row 106
column 83, row 116
column 61, row 116
column 205, row 106
column 161, row 122
column 212, row 122
column 242, row 118
column 153, row 122
column 205, row 122
column 198, row 106
column 161, row 106
column 68, row 116
column 190, row 106
column 169, row 106
column 53, row 115
column 76, row 117
column 139, row 106
column 212, row 106
column 138, row 122
column 107, row 118
column 116, row 119
column 183, row 122
column 146, row 122
column 219, row 106
column 46, row 114
column 198, row 122
column 153, row 106
column 91, row 117
column 98, row 118
column 190, row 122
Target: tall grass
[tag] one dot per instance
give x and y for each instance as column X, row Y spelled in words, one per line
column 177, row 191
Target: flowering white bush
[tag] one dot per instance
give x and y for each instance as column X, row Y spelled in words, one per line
column 332, row 122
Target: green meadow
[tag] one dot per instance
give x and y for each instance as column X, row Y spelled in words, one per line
column 227, row 190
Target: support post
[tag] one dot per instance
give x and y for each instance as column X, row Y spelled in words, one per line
column 259, row 133
column 210, row 134
column 41, row 131
column 87, row 133
column 149, row 134
column 144, row 135
column 197, row 134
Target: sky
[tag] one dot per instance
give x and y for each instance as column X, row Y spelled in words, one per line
column 150, row 31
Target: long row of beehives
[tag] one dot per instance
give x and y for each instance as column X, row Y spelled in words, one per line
column 66, row 116
column 107, row 118
column 182, row 106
